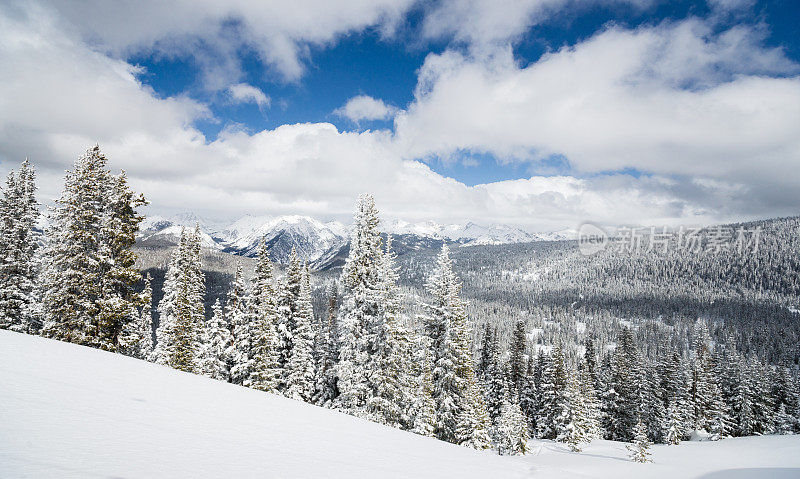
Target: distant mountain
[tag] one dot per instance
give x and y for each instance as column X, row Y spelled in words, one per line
column 325, row 245
column 159, row 232
column 311, row 238
column 470, row 234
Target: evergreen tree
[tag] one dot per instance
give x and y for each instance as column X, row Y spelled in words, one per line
column 423, row 412
column 673, row 427
column 512, row 431
column 181, row 310
column 18, row 245
column 137, row 338
column 264, row 369
column 640, row 449
column 299, row 371
column 326, row 389
column 240, row 315
column 359, row 311
column 395, row 386
column 621, row 399
column 517, row 360
column 709, row 409
column 88, row 282
column 553, row 416
column 288, row 312
column 216, row 363
column 446, row 327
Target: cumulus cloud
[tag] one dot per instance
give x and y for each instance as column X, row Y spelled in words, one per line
column 365, row 107
column 667, row 100
column 279, row 32
column 713, row 132
column 483, row 24
column 244, row 93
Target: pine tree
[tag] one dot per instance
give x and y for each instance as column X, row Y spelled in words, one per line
column 18, row 245
column 359, row 311
column 673, row 426
column 300, row 365
column 446, row 327
column 512, row 431
column 264, row 368
column 710, row 411
column 181, row 310
column 640, row 449
column 137, row 338
column 239, row 313
column 474, row 426
column 495, row 383
column 216, row 363
column 423, row 412
column 395, row 386
column 552, row 419
column 288, row 311
column 517, row 360
column 621, row 399
column 88, row 282
column 326, row 389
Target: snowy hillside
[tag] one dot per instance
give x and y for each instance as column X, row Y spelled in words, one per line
column 72, row 411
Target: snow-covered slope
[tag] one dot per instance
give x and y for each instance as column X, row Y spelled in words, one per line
column 72, row 411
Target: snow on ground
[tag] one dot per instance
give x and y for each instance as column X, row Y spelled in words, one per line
column 72, row 411
column 766, row 457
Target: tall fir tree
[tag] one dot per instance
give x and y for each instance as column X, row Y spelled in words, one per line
column 300, row 365
column 517, row 360
column 216, row 363
column 326, row 389
column 450, row 341
column 512, row 430
column 640, row 448
column 19, row 212
column 239, row 313
column 89, row 277
column 264, row 370
column 360, row 286
column 181, row 310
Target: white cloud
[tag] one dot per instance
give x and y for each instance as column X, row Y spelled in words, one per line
column 280, row 32
column 603, row 104
column 669, row 100
column 483, row 24
column 365, row 107
column 244, row 93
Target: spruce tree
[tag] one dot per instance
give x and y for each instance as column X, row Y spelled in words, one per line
column 640, row 449
column 450, row 341
column 326, row 389
column 18, row 245
column 89, row 277
column 264, row 368
column 239, row 313
column 359, row 311
column 216, row 363
column 517, row 360
column 512, row 431
column 299, row 372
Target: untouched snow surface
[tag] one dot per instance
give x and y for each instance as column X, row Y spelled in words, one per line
column 72, row 411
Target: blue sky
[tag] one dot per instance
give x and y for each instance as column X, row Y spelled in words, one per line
column 539, row 113
column 367, row 63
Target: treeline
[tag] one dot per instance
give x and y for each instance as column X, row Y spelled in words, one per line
column 402, row 360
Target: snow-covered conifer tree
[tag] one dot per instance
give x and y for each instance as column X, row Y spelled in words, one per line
column 216, row 363
column 18, row 245
column 359, row 310
column 264, row 370
column 512, row 430
column 239, row 313
column 89, row 275
column 640, row 449
column 299, row 371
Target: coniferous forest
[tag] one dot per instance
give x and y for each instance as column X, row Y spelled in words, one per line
column 483, row 347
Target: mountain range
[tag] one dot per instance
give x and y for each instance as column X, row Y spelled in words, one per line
column 324, row 243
